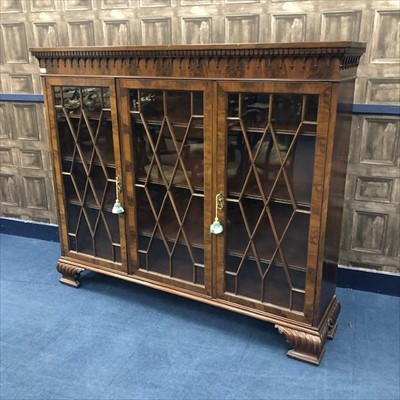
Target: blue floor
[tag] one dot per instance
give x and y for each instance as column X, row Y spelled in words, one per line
column 115, row 340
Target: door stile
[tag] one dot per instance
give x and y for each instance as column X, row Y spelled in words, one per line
column 128, row 178
column 118, row 172
column 209, row 180
column 318, row 203
column 322, row 175
column 220, row 158
column 55, row 153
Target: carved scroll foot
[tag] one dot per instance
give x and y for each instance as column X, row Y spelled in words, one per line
column 70, row 274
column 332, row 320
column 306, row 347
column 310, row 346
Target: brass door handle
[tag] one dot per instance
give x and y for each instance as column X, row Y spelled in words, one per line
column 219, row 201
column 216, row 227
column 117, row 208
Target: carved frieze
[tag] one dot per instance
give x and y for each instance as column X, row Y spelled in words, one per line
column 253, row 61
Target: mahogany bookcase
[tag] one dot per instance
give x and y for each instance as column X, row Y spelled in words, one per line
column 213, row 172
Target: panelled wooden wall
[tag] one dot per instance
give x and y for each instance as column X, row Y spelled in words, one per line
column 371, row 231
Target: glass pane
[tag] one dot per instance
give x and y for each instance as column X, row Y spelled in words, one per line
column 197, row 101
column 254, row 110
column 249, row 277
column 270, row 159
column 255, row 161
column 72, row 242
column 73, row 213
column 168, row 147
column 117, row 254
column 311, row 112
column 84, row 237
column 276, row 287
column 103, row 240
column 287, row 111
column 178, row 106
column 181, row 258
column 158, row 257
column 199, row 274
column 88, row 167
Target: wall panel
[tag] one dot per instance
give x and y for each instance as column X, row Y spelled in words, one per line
column 196, row 30
column 116, row 33
column 43, row 5
column 15, row 43
column 9, row 194
column 11, row 6
column 241, row 29
column 289, row 27
column 46, row 34
column 6, row 157
column 26, row 121
column 156, row 31
column 78, row 4
column 341, row 25
column 114, row 4
column 383, row 91
column 379, row 141
column 81, row 33
column 385, row 47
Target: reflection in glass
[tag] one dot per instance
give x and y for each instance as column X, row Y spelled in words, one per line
column 168, row 137
column 270, row 157
column 168, row 147
column 287, row 110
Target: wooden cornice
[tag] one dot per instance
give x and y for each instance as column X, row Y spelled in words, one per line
column 204, row 58
column 212, row 50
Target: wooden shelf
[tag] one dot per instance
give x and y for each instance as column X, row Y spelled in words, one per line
column 197, row 186
column 158, row 122
column 86, row 155
column 278, row 130
column 90, row 203
column 196, row 240
column 302, row 206
column 91, row 115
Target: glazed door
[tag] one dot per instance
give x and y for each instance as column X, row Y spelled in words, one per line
column 166, row 130
column 270, row 173
column 84, row 139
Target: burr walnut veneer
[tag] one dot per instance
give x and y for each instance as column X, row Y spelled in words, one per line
column 228, row 163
